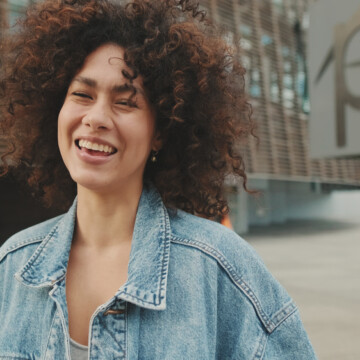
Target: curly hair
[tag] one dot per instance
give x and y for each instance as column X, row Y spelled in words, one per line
column 191, row 75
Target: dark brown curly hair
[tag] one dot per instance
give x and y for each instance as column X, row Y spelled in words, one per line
column 192, row 77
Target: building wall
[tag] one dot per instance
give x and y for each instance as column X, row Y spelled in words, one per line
column 334, row 61
column 272, row 43
column 281, row 201
column 272, row 35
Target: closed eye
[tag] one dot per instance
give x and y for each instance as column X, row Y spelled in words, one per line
column 82, row 95
column 127, row 103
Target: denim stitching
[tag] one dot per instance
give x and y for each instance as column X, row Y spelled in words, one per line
column 127, row 331
column 284, row 313
column 270, row 326
column 166, row 230
column 50, row 333
column 165, row 258
column 22, row 244
column 127, row 295
column 39, row 251
column 262, row 346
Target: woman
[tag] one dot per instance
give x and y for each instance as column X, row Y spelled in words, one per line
column 149, row 105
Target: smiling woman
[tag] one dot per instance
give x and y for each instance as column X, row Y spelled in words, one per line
column 135, row 109
column 102, row 110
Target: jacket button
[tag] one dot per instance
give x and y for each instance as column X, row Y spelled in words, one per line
column 114, row 311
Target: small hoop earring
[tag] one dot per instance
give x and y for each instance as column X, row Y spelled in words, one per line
column 153, row 157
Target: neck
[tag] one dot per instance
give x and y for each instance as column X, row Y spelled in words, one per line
column 106, row 219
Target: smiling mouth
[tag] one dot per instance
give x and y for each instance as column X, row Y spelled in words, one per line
column 95, row 149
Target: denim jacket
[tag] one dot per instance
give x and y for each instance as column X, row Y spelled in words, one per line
column 195, row 290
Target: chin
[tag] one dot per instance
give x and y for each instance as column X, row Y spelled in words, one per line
column 91, row 183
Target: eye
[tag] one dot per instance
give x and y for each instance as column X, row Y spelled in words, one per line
column 82, row 95
column 127, row 102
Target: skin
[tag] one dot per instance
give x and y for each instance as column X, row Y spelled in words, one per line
column 97, row 109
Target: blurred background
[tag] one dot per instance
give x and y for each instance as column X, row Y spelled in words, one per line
column 303, row 79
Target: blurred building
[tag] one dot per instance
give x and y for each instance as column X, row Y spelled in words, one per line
column 11, row 9
column 334, row 74
column 273, row 46
column 9, row 12
column 18, row 209
column 272, row 41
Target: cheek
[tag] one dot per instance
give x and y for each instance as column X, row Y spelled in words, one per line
column 65, row 123
column 138, row 131
column 61, row 140
column 61, row 129
column 64, row 131
column 149, row 130
column 145, row 141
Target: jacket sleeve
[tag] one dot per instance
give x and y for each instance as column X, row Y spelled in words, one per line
column 289, row 341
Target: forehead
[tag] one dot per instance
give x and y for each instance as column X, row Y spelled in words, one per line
column 106, row 65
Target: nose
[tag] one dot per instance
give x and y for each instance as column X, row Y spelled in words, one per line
column 98, row 117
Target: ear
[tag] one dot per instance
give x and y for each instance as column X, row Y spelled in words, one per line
column 157, row 142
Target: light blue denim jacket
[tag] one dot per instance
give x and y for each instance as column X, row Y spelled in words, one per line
column 195, row 290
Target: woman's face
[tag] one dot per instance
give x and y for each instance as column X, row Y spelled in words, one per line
column 105, row 135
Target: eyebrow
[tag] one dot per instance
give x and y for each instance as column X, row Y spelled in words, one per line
column 122, row 88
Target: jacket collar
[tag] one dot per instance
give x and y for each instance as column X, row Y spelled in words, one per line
column 149, row 256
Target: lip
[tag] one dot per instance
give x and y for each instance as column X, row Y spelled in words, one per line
column 92, row 159
column 96, row 140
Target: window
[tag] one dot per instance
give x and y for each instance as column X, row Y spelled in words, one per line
column 15, row 9
column 255, row 88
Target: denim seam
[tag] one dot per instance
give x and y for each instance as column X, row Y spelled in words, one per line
column 22, row 244
column 269, row 325
column 64, row 325
column 136, row 297
column 127, row 330
column 280, row 316
column 260, row 352
column 165, row 227
column 292, row 313
column 36, row 256
column 14, row 356
column 51, row 327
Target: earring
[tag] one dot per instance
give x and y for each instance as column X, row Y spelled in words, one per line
column 153, row 156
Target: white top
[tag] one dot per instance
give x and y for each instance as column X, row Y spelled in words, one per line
column 78, row 351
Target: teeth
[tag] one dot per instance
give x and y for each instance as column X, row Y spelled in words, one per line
column 97, row 147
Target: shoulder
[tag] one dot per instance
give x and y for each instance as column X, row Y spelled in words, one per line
column 242, row 265
column 204, row 233
column 27, row 237
column 231, row 250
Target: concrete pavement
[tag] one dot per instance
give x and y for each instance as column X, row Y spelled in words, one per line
column 318, row 262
